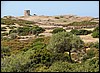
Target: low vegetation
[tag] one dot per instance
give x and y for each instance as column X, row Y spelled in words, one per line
column 64, row 42
column 83, row 23
column 3, row 28
column 80, row 32
column 56, row 30
column 61, row 52
column 95, row 33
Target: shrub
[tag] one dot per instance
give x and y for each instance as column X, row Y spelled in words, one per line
column 23, row 30
column 38, row 45
column 12, row 27
column 56, row 30
column 92, row 53
column 83, row 23
column 64, row 21
column 56, row 17
column 94, row 45
column 20, row 62
column 91, row 65
column 4, row 34
column 13, row 35
column 35, row 30
column 38, row 30
column 5, row 49
column 3, row 28
column 80, row 32
column 12, row 31
column 42, row 56
column 61, row 16
column 96, row 29
column 38, row 40
column 60, row 57
column 74, row 31
column 28, row 22
column 95, row 33
column 84, row 32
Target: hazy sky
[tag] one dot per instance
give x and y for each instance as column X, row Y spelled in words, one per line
column 80, row 8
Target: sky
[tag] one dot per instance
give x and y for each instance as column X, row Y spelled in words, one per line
column 50, row 8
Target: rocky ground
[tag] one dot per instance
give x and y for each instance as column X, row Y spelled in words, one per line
column 51, row 22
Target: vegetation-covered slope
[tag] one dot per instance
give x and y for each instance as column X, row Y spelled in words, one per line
column 61, row 52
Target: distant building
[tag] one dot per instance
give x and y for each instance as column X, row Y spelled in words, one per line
column 26, row 12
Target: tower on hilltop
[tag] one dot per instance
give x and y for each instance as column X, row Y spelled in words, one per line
column 26, row 12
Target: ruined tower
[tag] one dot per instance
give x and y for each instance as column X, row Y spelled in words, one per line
column 26, row 12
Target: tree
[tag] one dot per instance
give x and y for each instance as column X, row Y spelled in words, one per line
column 64, row 41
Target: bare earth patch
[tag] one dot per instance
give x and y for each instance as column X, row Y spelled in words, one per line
column 88, row 38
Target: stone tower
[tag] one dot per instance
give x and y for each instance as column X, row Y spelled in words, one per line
column 26, row 12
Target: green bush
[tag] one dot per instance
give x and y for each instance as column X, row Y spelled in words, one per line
column 5, row 49
column 74, row 31
column 80, row 32
column 96, row 29
column 84, row 32
column 61, row 16
column 3, row 28
column 90, row 54
column 20, row 62
column 43, row 57
column 56, row 17
column 82, row 23
column 60, row 57
column 30, row 30
column 37, row 30
column 91, row 65
column 95, row 33
column 9, row 21
column 94, row 45
column 13, row 35
column 56, row 30
column 23, row 30
column 12, row 27
column 29, row 22
column 38, row 40
column 4, row 34
column 12, row 31
column 38, row 45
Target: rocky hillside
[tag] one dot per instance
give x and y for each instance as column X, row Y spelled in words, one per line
column 60, row 19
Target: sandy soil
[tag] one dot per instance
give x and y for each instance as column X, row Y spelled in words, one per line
column 88, row 38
